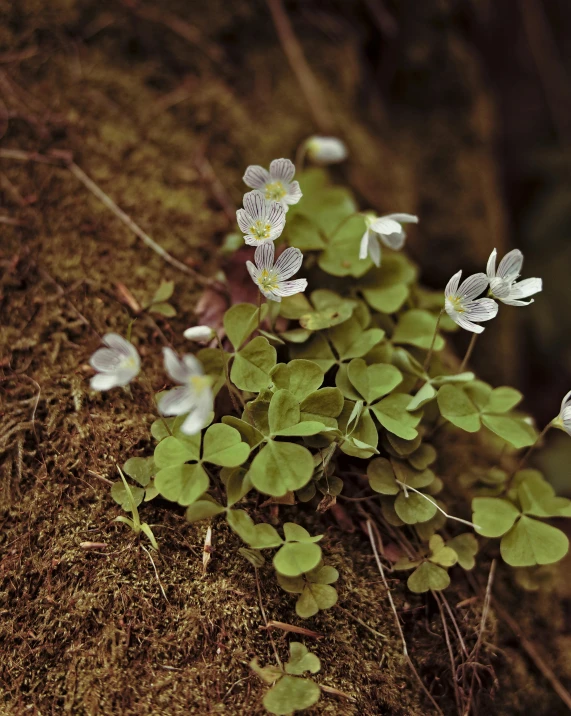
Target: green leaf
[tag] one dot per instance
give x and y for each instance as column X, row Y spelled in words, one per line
column 351, row 341
column 300, row 377
column 258, row 536
column 291, row 693
column 416, row 328
column 373, row 381
column 293, row 585
column 424, row 396
column 364, row 434
column 284, row 411
column 386, row 289
column 141, row 469
column 537, row 497
column 281, row 467
column 479, row 393
column 177, row 449
column 410, row 477
column 392, row 414
column 297, row 533
column 532, row 542
column 241, row 321
column 327, row 207
column 302, row 233
column 326, row 317
column 203, row 510
column 422, row 457
column 428, row 576
column 249, row 433
column 253, row 364
column 414, row 508
column 493, row 516
column 315, row 597
column 301, row 660
column 457, row 408
column 503, row 399
column 163, row 292
column 323, row 574
column 255, row 558
column 268, row 674
column 440, row 553
column 317, row 350
column 164, row 309
column 222, row 445
column 162, row 428
column 466, row 547
column 237, row 485
column 293, row 307
column 382, row 477
column 182, row 483
column 513, row 430
column 295, row 558
column 121, row 496
column 324, row 405
column 341, row 257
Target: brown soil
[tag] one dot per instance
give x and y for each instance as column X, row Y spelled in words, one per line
column 90, row 633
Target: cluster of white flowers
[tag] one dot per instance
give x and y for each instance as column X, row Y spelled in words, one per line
column 461, row 299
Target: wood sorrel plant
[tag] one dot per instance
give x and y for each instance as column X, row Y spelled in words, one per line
column 342, row 382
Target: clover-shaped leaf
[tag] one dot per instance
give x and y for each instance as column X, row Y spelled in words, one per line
column 537, row 497
column 341, row 256
column 281, row 467
column 441, row 554
column 296, row 533
column 241, row 320
column 532, row 542
column 515, row 431
column 304, row 234
column 466, row 548
column 301, row 660
column 300, row 377
column 428, row 576
column 249, row 433
column 322, row 406
column 317, row 350
column 253, row 364
column 416, row 328
column 291, row 693
column 412, row 507
column 457, row 408
column 351, row 341
column 295, row 558
column 258, row 536
column 382, row 477
column 393, row 414
column 330, row 309
column 121, row 496
column 203, row 509
column 141, row 469
column 386, row 289
column 493, row 516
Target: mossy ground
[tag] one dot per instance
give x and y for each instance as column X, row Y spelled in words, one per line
column 91, row 632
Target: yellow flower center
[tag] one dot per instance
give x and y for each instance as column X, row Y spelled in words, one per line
column 260, row 230
column 456, row 304
column 268, row 280
column 199, row 383
column 275, row 191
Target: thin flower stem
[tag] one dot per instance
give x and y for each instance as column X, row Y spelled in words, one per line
column 227, row 374
column 265, row 618
column 531, row 449
column 259, row 309
column 450, row 517
column 428, row 358
column 468, row 352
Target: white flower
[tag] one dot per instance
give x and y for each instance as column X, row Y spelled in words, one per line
column 276, row 184
column 192, row 396
column 199, row 334
column 462, row 305
column 503, row 281
column 326, row 150
column 563, row 420
column 116, row 365
column 271, row 278
column 387, row 229
column 261, row 220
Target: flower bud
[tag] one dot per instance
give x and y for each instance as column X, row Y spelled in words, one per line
column 199, row 334
column 326, row 150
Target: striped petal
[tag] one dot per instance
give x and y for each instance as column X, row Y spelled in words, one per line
column 119, row 344
column 473, row 286
column 256, row 176
column 177, row 401
column 244, row 221
column 294, row 193
column 282, row 170
column 484, row 309
column 255, row 204
column 510, row 265
column 175, row 368
column 288, row 263
column 404, row 218
column 264, row 256
column 276, row 217
column 253, row 271
column 105, row 360
column 526, row 288
column 491, row 265
column 289, row 288
column 468, row 325
column 452, row 285
column 386, row 225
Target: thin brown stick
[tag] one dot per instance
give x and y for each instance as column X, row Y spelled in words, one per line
column 428, row 359
column 530, row 449
column 534, row 655
column 457, row 694
column 397, row 620
column 296, row 58
column 468, row 352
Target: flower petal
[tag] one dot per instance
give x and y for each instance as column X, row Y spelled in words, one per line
column 404, row 218
column 252, row 270
column 484, row 309
column 105, row 360
column 510, row 265
column 244, row 221
column 104, row 381
column 289, row 288
column 282, row 170
column 468, row 325
column 177, row 401
column 374, row 248
column 175, row 368
column 294, row 193
column 473, row 286
column 386, row 225
column 264, row 256
column 364, row 246
column 566, row 420
column 193, row 365
column 276, row 218
column 394, row 241
column 255, row 204
column 119, row 344
column 491, row 265
column 452, row 285
column 526, row 288
column 288, row 263
column 256, row 176
column 566, row 402
column 199, row 414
